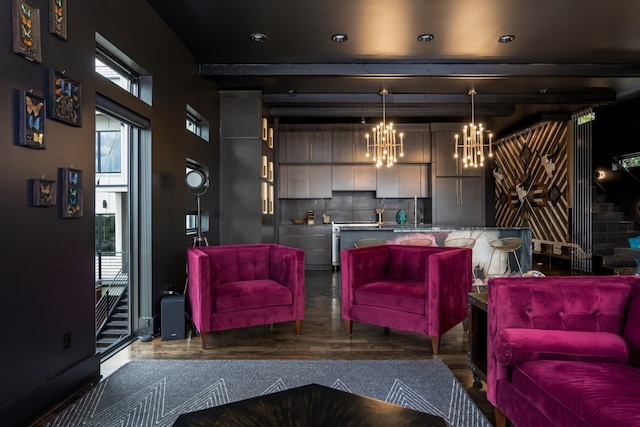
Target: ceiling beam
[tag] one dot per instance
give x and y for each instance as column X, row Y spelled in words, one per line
column 430, row 110
column 438, row 98
column 453, row 70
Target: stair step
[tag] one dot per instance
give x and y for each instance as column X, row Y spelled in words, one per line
column 617, row 261
column 118, row 323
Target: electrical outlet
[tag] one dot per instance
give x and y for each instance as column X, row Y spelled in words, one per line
column 66, row 341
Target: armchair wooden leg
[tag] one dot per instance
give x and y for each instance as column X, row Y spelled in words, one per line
column 465, row 324
column 348, row 327
column 204, row 339
column 435, row 344
column 501, row 419
column 298, row 327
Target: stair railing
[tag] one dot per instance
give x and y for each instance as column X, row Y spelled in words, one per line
column 115, row 291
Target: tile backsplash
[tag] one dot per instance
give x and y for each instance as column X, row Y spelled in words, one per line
column 354, row 206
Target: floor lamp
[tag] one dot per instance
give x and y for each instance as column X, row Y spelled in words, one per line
column 198, row 183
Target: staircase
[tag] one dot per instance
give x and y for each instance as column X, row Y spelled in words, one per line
column 116, row 326
column 611, row 229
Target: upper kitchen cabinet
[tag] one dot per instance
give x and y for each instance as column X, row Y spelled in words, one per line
column 354, row 177
column 443, row 137
column 403, row 180
column 417, row 143
column 308, row 146
column 349, row 146
column 305, row 182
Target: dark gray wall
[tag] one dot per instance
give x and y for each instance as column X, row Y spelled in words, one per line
column 48, row 262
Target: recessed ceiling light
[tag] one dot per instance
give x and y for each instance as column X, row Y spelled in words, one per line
column 507, row 38
column 339, row 38
column 425, row 37
column 258, row 37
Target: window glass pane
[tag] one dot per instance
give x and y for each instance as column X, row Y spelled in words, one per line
column 106, row 233
column 109, row 151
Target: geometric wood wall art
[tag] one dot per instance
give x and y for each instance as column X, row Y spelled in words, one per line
column 65, row 99
column 58, row 18
column 25, row 21
column 71, row 193
column 531, row 181
column 31, row 115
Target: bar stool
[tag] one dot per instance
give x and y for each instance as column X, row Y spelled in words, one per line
column 462, row 242
column 508, row 245
column 370, row 241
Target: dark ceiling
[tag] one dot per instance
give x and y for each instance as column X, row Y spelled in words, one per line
column 566, row 55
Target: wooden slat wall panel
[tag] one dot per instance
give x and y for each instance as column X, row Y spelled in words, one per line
column 531, row 171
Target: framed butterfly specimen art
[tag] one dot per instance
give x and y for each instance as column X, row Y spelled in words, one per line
column 43, row 192
column 65, row 99
column 58, row 18
column 31, row 119
column 26, row 30
column 71, row 193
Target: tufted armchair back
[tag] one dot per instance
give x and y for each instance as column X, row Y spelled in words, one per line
column 236, row 286
column 566, row 303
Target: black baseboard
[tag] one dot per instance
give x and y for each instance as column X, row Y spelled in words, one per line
column 46, row 397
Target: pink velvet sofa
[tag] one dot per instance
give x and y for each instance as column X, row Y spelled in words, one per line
column 237, row 286
column 564, row 351
column 419, row 289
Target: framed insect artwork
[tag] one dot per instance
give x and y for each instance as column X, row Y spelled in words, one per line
column 31, row 119
column 58, row 18
column 71, row 193
column 65, row 99
column 43, row 192
column 26, row 30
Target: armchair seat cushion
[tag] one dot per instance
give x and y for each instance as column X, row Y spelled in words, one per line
column 248, row 294
column 407, row 296
column 599, row 394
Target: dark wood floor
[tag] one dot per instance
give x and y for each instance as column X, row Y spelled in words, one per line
column 323, row 337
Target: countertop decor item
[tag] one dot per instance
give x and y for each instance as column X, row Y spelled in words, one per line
column 401, row 216
column 299, row 221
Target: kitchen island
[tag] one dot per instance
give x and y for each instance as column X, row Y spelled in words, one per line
column 482, row 251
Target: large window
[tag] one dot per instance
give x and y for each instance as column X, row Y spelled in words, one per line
column 106, row 233
column 108, row 151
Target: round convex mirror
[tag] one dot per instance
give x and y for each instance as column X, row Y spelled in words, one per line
column 196, row 180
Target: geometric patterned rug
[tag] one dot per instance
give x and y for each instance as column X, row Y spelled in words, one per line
column 155, row 392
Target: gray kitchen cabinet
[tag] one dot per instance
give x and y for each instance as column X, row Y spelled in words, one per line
column 446, row 164
column 403, row 180
column 414, row 146
column 314, row 240
column 364, row 177
column 293, row 236
column 305, row 182
column 458, row 202
column 313, row 146
column 354, row 177
column 349, row 146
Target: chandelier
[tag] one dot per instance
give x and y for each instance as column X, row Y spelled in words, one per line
column 473, row 142
column 382, row 144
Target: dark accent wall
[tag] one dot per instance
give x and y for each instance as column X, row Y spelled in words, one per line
column 48, row 262
column 616, row 132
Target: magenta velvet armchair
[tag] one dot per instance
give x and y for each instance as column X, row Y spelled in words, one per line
column 419, row 289
column 237, row 286
column 564, row 350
